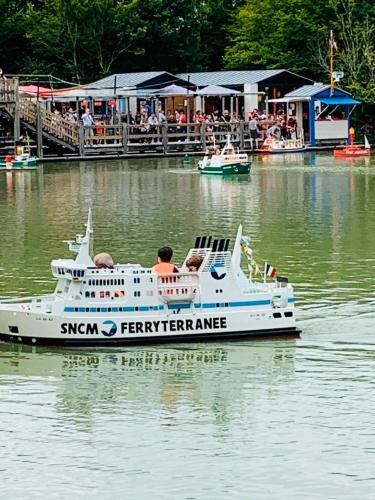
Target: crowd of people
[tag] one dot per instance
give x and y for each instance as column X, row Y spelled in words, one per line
column 148, row 122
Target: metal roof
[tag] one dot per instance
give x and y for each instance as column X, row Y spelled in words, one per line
column 307, row 90
column 231, row 77
column 128, row 80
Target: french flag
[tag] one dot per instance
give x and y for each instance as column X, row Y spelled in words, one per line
column 270, row 271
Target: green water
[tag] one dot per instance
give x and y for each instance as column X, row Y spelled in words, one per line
column 257, row 419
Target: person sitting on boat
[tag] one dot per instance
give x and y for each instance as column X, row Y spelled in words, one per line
column 164, row 265
column 194, row 263
column 103, row 261
column 217, row 151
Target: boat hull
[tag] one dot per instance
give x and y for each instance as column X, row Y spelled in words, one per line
column 351, row 153
column 114, row 330
column 231, row 169
column 30, row 164
column 283, row 151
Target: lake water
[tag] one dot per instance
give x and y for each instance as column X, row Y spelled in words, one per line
column 261, row 419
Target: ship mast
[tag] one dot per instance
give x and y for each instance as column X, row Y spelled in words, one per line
column 332, row 46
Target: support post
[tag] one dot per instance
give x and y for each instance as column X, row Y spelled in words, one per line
column 16, row 124
column 164, row 133
column 81, row 140
column 125, row 137
column 203, row 135
column 39, row 131
column 242, row 138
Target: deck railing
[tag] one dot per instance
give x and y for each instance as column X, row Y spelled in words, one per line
column 53, row 124
column 8, row 91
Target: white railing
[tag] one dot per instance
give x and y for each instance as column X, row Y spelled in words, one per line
column 178, row 287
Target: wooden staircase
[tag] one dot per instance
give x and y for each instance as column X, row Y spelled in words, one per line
column 54, row 127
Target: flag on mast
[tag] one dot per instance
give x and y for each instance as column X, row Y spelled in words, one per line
column 332, row 41
column 270, row 271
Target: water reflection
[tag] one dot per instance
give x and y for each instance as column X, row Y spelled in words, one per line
column 203, row 378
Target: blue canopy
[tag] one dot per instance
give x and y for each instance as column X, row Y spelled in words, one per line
column 338, row 100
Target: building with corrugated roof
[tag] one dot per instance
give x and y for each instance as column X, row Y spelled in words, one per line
column 323, row 113
column 256, row 85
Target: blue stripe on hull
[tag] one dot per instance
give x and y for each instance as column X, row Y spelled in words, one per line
column 208, row 305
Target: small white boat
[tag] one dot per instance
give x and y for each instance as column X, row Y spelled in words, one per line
column 130, row 304
column 227, row 161
column 273, row 145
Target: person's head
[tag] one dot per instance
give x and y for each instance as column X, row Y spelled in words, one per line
column 103, row 260
column 194, row 263
column 165, row 254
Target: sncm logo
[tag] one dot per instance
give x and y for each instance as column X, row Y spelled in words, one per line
column 110, row 329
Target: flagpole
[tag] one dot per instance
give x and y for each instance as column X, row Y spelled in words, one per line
column 332, row 84
column 264, row 273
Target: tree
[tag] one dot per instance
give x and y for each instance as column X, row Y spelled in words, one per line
column 82, row 39
column 274, row 34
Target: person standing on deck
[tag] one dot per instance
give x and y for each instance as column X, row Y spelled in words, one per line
column 88, row 123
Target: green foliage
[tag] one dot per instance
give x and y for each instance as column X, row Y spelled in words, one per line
column 275, row 34
column 83, row 40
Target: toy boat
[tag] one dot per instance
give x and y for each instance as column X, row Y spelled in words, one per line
column 353, row 151
column 228, row 161
column 21, row 160
column 272, row 145
column 130, row 304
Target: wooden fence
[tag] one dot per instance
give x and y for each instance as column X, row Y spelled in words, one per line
column 8, row 91
column 164, row 137
column 55, row 125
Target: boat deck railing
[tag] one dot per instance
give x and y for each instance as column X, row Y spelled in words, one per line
column 178, row 287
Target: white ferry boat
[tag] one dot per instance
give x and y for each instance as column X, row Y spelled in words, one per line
column 130, row 304
column 272, row 145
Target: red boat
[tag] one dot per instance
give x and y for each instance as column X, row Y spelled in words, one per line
column 353, row 151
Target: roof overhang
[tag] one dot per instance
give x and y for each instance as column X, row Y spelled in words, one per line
column 336, row 101
column 289, row 99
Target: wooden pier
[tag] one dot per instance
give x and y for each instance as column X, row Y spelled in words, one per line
column 56, row 136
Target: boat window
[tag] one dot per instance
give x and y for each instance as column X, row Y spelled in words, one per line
column 137, row 293
column 137, row 280
column 87, row 294
column 76, row 309
column 109, row 309
column 102, row 294
column 87, row 309
column 277, row 315
column 92, row 295
column 120, row 309
column 288, row 314
column 98, row 309
column 107, row 294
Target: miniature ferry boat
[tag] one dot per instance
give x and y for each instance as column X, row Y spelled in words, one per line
column 272, row 145
column 130, row 304
column 353, row 150
column 227, row 161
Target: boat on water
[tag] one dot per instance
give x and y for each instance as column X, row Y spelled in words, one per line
column 131, row 304
column 353, row 150
column 21, row 159
column 226, row 161
column 272, row 145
